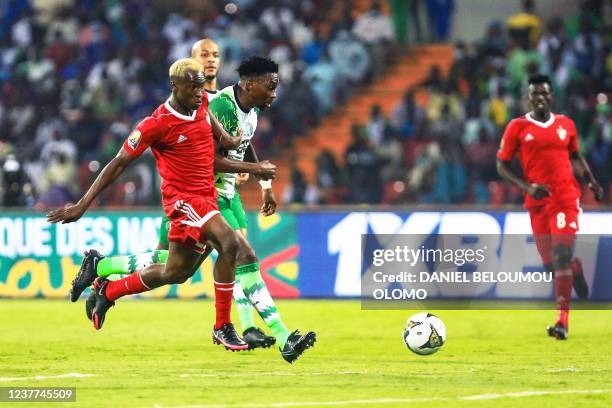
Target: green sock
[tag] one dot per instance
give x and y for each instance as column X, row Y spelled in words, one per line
column 256, row 291
column 245, row 309
column 130, row 263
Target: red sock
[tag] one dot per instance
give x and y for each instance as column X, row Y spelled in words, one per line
column 129, row 285
column 563, row 291
column 223, row 303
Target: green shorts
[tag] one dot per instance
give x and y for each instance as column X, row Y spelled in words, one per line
column 232, row 210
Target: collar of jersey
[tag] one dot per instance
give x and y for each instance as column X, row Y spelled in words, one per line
column 242, row 108
column 179, row 115
column 541, row 124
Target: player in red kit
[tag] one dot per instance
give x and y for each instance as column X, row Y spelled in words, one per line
column 547, row 145
column 180, row 135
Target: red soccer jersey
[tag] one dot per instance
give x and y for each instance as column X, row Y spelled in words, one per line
column 183, row 147
column 544, row 152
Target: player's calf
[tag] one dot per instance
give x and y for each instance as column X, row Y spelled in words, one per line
column 580, row 284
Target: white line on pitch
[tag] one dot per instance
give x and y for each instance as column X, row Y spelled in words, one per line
column 273, row 373
column 563, row 370
column 520, row 394
column 46, row 377
column 302, row 374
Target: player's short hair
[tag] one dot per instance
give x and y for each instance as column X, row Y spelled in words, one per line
column 195, row 48
column 179, row 67
column 539, row 79
column 256, row 66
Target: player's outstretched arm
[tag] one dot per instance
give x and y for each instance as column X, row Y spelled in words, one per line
column 580, row 164
column 537, row 191
column 106, row 177
column 263, row 169
column 226, row 140
column 267, row 194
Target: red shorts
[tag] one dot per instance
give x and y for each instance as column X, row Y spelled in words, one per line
column 188, row 216
column 553, row 225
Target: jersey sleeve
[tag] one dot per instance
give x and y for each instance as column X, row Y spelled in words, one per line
column 224, row 110
column 146, row 133
column 573, row 136
column 509, row 142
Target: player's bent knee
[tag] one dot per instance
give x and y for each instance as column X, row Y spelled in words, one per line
column 246, row 255
column 562, row 256
column 229, row 244
column 245, row 258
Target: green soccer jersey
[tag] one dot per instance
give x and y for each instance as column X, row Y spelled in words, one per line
column 233, row 117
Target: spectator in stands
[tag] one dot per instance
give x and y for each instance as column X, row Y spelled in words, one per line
column 440, row 16
column 278, row 21
column 524, row 27
column 350, row 57
column 408, row 116
column 57, row 187
column 588, row 47
column 376, row 127
column 599, row 156
column 329, row 178
column 376, row 30
column 445, row 104
column 363, row 169
column 15, row 189
column 434, row 80
column 374, row 27
column 498, row 109
column 481, row 156
column 493, row 43
column 313, row 50
column 391, row 156
column 299, row 191
column 557, row 55
column 324, row 81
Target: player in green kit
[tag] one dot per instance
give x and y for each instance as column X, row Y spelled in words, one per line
column 238, row 107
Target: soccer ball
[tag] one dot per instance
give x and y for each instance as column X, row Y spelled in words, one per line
column 424, row 334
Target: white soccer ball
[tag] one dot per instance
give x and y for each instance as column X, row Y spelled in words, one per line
column 424, row 334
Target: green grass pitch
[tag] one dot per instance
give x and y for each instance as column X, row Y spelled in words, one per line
column 159, row 353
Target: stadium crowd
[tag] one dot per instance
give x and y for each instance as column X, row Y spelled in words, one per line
column 445, row 152
column 76, row 75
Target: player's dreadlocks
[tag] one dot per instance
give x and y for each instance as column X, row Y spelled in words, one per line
column 256, row 66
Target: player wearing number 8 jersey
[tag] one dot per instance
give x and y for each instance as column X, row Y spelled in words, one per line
column 547, row 146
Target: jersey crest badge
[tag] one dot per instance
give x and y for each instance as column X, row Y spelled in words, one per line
column 529, row 137
column 561, row 132
column 134, row 139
